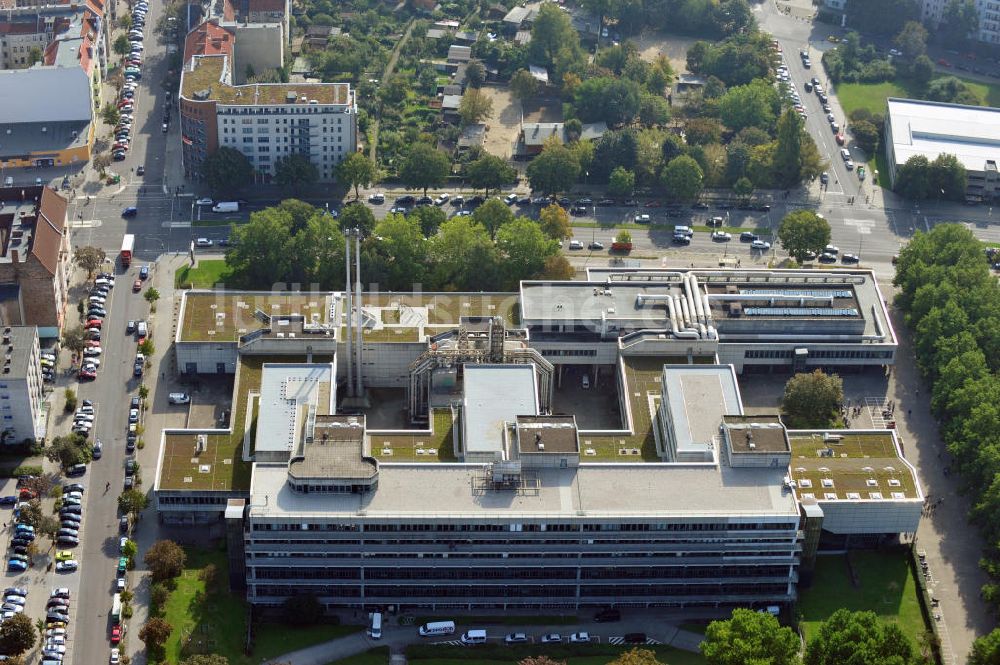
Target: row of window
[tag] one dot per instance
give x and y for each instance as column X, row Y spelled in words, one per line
column 527, row 573
column 819, row 353
column 691, row 555
column 193, row 500
column 286, row 110
column 514, row 542
column 496, row 528
column 569, row 352
column 610, row 592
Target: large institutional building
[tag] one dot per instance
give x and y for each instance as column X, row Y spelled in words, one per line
column 928, row 129
column 573, row 445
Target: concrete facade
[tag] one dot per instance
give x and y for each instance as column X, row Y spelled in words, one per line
column 20, row 385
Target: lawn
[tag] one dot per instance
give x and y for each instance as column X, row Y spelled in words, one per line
column 205, row 275
column 216, row 622
column 872, row 96
column 449, row 656
column 886, row 586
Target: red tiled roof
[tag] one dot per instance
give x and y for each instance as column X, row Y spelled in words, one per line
column 86, row 55
column 208, row 39
column 19, row 28
column 49, row 229
column 49, row 56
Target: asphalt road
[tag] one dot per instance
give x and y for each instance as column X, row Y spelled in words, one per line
column 98, row 549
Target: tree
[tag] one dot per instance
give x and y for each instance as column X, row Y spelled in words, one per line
column 948, row 178
column 959, row 21
column 540, row 660
column 788, row 152
column 121, row 45
column 492, row 215
column 615, row 101
column 986, row 649
column 913, row 178
column 227, row 171
column 558, row 267
column 424, row 167
column 803, row 231
column 34, row 55
column 621, row 184
column 463, row 256
column 17, row 634
column 48, row 526
column 858, row 637
column 357, row 216
column 490, row 172
column 303, row 610
column 89, row 258
column 430, row 218
column 653, row 110
column 637, row 656
column 401, row 251
column 475, row 106
column 524, row 249
column 132, row 502
column 751, row 105
column 555, row 222
column 743, row 187
column 523, row 85
column 259, row 256
column 147, row 348
column 110, row 114
column 205, row 659
column 866, row 135
column 555, row 170
column 165, row 560
column 475, row 74
column 812, row 401
column 68, row 450
column 295, row 172
column 912, row 39
column 155, row 632
column 151, row 295
column 922, row 70
column 682, row 179
column 749, row 637
column 356, row 171
column 553, row 38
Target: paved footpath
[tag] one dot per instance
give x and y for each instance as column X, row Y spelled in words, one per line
column 399, row 637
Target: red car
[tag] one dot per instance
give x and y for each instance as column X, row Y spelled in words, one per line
column 116, row 634
column 943, row 62
column 840, row 138
column 87, row 375
column 94, row 323
column 137, row 286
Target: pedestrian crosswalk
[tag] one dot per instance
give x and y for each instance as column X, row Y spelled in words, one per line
column 618, row 641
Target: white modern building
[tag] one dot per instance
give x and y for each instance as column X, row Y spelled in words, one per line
column 929, row 129
column 20, row 386
column 498, row 496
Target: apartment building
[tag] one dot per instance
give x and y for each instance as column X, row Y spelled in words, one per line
column 932, row 12
column 34, row 259
column 21, row 398
column 61, row 34
column 263, row 121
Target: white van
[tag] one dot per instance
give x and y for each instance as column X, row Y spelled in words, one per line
column 476, row 636
column 226, row 206
column 437, row 628
column 375, row 627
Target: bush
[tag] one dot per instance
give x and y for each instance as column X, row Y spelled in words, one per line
column 25, row 470
column 158, row 595
column 70, row 400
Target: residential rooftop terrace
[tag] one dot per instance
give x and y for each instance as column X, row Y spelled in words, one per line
column 208, row 73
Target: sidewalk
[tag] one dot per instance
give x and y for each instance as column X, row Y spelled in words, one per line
column 399, row 637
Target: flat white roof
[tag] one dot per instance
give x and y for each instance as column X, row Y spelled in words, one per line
column 697, row 397
column 971, row 133
column 494, row 395
column 284, row 389
column 421, row 491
